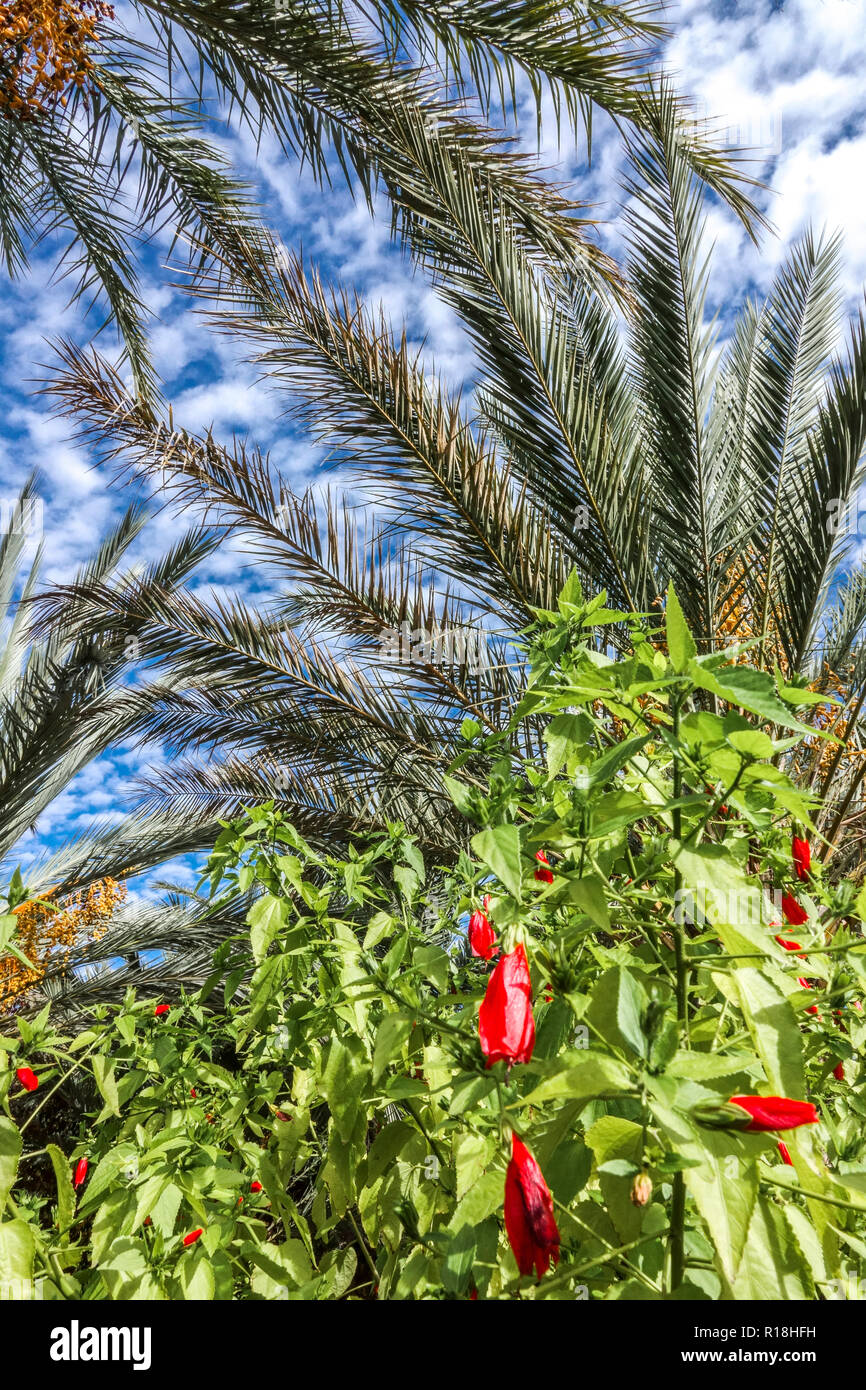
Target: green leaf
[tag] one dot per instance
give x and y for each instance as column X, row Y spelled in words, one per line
column 724, row 1195
column 65, row 1190
column 565, row 733
column 498, row 846
column 613, row 1141
column 459, row 1260
column 734, row 906
column 10, row 1152
column 589, row 894
column 616, row 1008
column 753, row 742
column 751, row 690
column 17, row 1252
column 772, row 1266
column 127, row 1275
column 196, row 1277
column 432, row 961
column 279, row 1267
column 775, row 1032
column 103, row 1075
column 390, row 1037
column 605, row 767
column 380, row 926
column 266, row 916
column 592, row 1076
column 681, row 643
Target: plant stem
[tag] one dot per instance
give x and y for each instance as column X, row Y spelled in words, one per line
column 678, row 1196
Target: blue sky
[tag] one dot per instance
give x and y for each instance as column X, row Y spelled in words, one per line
column 786, row 78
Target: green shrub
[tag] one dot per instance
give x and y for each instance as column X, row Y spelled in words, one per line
column 643, row 974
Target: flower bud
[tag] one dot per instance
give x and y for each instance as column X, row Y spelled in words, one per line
column 641, row 1189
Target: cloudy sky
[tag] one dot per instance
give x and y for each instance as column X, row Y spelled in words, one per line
column 783, row 78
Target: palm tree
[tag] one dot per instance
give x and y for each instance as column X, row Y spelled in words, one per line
column 66, row 697
column 354, row 88
column 629, row 456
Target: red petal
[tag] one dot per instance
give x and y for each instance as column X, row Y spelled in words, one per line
column 776, row 1112
column 794, row 913
column 801, row 854
column 506, row 1026
column 536, row 1235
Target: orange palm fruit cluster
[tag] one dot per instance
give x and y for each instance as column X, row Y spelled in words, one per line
column 46, row 932
column 45, row 51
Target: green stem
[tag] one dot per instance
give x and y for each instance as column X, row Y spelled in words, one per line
column 815, row 1196
column 678, row 1196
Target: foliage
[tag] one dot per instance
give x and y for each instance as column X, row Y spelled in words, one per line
column 333, row 1055
column 88, row 105
column 631, row 450
column 65, row 696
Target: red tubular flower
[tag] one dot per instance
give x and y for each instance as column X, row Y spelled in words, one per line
column 789, row 945
column 545, row 874
column 801, row 853
column 794, row 913
column 804, row 984
column 193, row 1236
column 839, row 1071
column 506, row 1026
column 193, row 1092
column 80, row 1172
column 255, row 1187
column 529, row 1221
column 775, row 1112
column 160, row 1010
column 786, row 1157
column 29, row 1080
column 481, row 938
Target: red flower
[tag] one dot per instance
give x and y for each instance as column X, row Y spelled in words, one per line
column 786, row 1157
column 789, row 945
column 160, row 1010
column 481, row 937
column 505, row 1023
column 193, row 1236
column 794, row 913
column 544, row 875
column 529, row 1221
column 775, row 1112
column 839, row 1071
column 193, row 1092
column 80, row 1172
column 255, row 1187
column 801, row 854
column 804, row 984
column 29, row 1080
